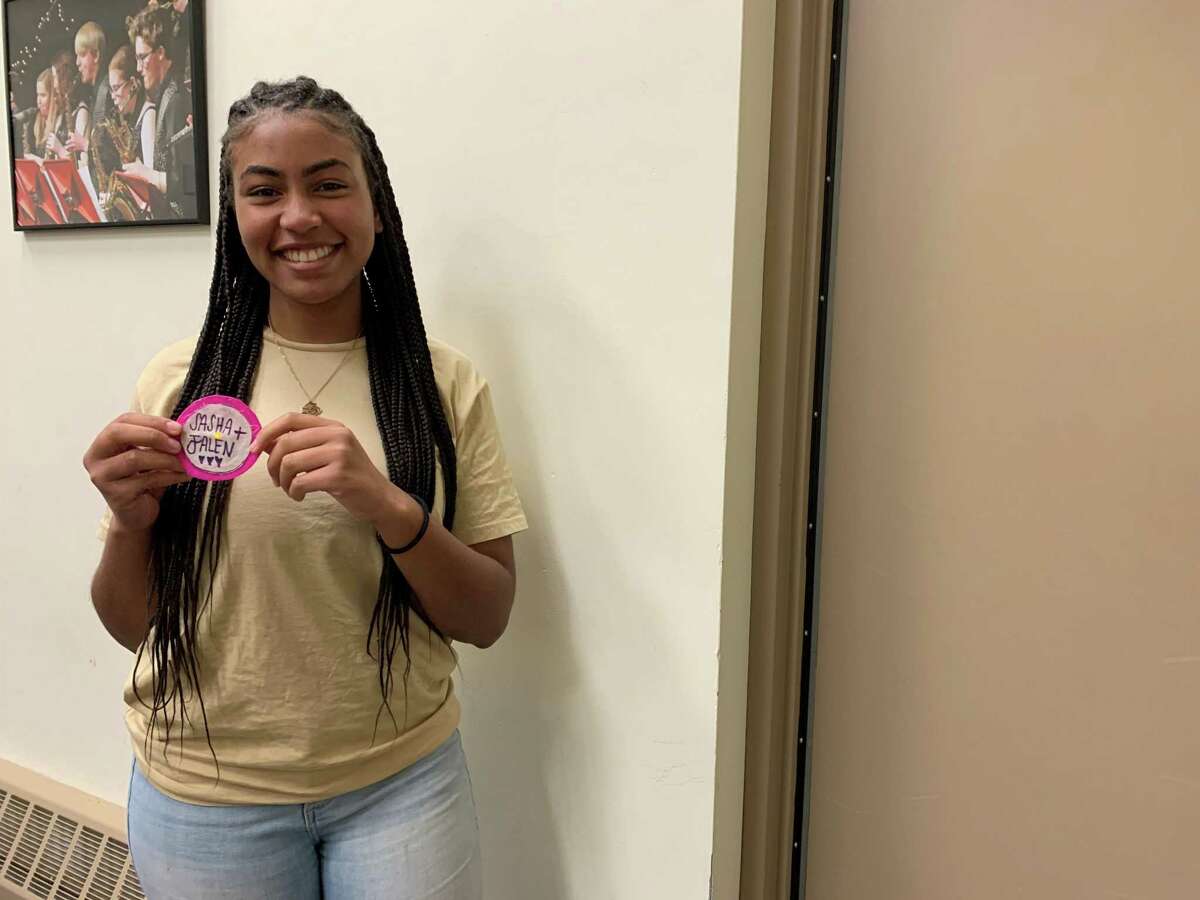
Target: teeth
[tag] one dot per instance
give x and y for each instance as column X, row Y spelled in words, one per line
column 307, row 255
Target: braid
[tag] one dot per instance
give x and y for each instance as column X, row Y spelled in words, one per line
column 415, row 432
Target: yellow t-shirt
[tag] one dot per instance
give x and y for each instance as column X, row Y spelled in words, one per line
column 290, row 692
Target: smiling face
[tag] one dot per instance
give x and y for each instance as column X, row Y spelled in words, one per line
column 304, row 210
column 43, row 97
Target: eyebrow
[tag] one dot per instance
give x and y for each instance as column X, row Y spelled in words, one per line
column 308, row 170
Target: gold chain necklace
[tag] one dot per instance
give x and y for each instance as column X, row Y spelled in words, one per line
column 310, row 408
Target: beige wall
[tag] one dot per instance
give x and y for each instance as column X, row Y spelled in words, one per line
column 1008, row 669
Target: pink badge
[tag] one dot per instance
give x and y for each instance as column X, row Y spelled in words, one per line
column 217, row 433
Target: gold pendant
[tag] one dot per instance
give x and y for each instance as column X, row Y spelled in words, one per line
column 311, row 409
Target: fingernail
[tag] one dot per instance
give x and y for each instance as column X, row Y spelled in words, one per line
column 175, row 446
column 174, row 428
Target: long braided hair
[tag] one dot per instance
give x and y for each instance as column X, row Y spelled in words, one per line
column 187, row 536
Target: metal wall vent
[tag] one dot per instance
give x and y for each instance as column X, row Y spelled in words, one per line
column 50, row 856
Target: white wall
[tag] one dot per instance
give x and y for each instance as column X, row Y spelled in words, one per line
column 567, row 174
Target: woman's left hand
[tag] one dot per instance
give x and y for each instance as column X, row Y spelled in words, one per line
column 309, row 453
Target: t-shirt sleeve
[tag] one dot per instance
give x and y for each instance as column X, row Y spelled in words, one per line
column 487, row 505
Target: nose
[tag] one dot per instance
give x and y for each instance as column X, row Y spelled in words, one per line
column 299, row 214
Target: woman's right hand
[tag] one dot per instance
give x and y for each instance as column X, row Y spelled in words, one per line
column 54, row 147
column 131, row 462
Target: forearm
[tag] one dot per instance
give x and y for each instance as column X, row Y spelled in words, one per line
column 119, row 586
column 467, row 594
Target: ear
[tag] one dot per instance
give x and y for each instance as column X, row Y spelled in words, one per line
column 378, row 224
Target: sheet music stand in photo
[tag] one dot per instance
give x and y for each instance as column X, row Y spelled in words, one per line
column 47, row 205
column 73, row 194
column 26, row 181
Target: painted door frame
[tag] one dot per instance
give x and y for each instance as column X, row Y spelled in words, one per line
column 799, row 231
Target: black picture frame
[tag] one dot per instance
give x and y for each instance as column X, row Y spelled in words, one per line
column 38, row 31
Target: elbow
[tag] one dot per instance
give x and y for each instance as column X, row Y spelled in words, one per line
column 486, row 636
column 487, row 640
column 129, row 633
column 489, row 629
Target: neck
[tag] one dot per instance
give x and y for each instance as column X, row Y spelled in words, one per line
column 332, row 322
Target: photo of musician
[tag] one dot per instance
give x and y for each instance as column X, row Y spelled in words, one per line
column 59, row 107
column 34, row 124
column 124, row 135
column 107, row 132
column 171, row 168
column 92, row 105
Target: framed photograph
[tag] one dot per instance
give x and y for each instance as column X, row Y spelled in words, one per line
column 106, row 113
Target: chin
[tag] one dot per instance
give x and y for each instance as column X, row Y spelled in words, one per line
column 311, row 293
column 306, row 294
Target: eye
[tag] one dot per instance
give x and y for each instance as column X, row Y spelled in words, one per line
column 261, row 191
column 330, row 186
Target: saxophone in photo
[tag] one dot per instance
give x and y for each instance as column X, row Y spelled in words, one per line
column 116, row 144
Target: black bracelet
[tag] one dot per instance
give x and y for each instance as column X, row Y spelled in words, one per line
column 420, row 534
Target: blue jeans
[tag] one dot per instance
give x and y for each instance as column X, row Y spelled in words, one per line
column 413, row 835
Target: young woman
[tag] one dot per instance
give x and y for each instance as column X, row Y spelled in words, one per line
column 128, row 99
column 64, row 103
column 293, row 719
column 119, row 137
column 43, row 129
